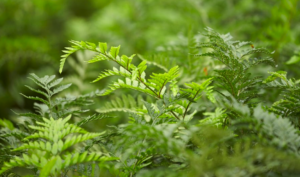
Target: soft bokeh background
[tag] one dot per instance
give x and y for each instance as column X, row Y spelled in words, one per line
column 33, row 33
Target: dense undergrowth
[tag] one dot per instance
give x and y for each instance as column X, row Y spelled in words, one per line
column 34, row 32
column 189, row 119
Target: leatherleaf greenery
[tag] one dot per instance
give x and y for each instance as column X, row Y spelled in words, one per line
column 174, row 121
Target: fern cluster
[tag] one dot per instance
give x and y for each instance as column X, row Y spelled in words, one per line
column 47, row 148
column 234, row 79
column 288, row 106
column 168, row 131
column 156, row 86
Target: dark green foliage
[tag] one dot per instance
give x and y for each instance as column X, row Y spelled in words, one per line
column 235, row 62
column 288, row 106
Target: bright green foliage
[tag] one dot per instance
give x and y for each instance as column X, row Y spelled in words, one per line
column 216, row 118
column 124, row 104
column 294, row 59
column 195, row 90
column 135, row 75
column 135, row 79
column 47, row 152
column 159, row 61
column 158, row 81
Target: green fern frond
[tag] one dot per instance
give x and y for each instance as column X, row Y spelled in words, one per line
column 37, row 99
column 60, row 106
column 96, row 58
column 157, row 61
column 113, row 72
column 216, row 118
column 159, row 81
column 134, row 75
column 128, row 83
column 124, row 104
column 92, row 118
column 37, row 91
column 195, row 90
column 46, row 84
column 53, row 138
column 102, row 54
column 288, row 106
column 31, row 115
column 68, row 52
column 234, row 78
column 284, row 82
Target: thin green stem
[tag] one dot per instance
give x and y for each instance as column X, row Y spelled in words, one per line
column 190, row 104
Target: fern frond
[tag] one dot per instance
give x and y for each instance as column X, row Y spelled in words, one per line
column 59, row 107
column 37, row 91
column 56, row 139
column 114, row 72
column 124, row 104
column 234, row 78
column 135, row 85
column 36, row 99
column 68, row 52
column 102, row 53
column 194, row 93
column 59, row 89
column 288, row 106
column 29, row 114
column 216, row 118
column 156, row 61
column 92, row 118
column 96, row 58
column 158, row 81
column 194, row 90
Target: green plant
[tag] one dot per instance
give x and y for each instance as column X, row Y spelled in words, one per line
column 170, row 131
column 48, row 152
column 58, row 107
column 288, row 106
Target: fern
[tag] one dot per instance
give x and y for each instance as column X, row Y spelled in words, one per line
column 135, row 76
column 234, row 78
column 158, row 61
column 216, row 118
column 267, row 128
column 288, row 106
column 48, row 151
column 142, row 144
column 58, row 106
column 126, row 104
column 176, row 126
column 48, row 84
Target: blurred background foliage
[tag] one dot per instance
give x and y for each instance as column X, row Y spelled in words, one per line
column 33, row 33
